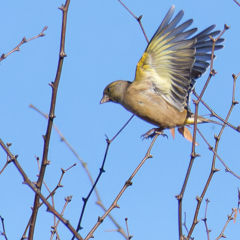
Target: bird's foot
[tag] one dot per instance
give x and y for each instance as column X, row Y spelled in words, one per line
column 151, row 133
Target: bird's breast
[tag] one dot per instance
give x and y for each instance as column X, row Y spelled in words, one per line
column 142, row 100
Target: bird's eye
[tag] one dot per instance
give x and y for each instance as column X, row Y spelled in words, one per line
column 109, row 89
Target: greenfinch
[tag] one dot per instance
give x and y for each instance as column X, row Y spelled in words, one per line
column 165, row 75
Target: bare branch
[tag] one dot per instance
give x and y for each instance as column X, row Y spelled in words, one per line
column 24, row 40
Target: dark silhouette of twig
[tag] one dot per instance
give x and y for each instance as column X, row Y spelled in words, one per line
column 127, row 184
column 27, row 181
column 24, row 40
column 3, row 233
column 205, row 220
column 47, row 136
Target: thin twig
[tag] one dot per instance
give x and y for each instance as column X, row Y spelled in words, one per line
column 51, row 194
column 67, row 200
column 205, row 219
column 127, row 184
column 229, row 219
column 227, row 169
column 3, row 233
column 24, row 40
column 138, row 19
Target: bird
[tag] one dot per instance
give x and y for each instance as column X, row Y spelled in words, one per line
column 166, row 75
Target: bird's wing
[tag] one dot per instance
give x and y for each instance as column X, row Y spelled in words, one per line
column 171, row 58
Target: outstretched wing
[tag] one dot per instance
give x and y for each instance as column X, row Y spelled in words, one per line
column 171, row 60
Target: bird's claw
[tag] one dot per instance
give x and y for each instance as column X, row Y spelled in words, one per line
column 151, row 133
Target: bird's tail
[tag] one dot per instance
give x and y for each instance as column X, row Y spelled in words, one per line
column 190, row 120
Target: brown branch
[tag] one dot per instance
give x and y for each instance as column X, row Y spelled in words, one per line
column 127, row 184
column 227, row 169
column 138, row 19
column 36, row 190
column 237, row 2
column 229, row 219
column 193, row 153
column 24, row 40
column 215, row 115
column 8, row 160
column 46, row 137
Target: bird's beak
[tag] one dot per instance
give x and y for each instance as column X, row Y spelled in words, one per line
column 105, row 98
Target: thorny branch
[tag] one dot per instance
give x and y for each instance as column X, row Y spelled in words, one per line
column 24, row 40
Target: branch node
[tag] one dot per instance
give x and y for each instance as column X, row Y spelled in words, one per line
column 199, row 199
column 226, row 26
column 235, row 102
column 212, row 39
column 178, row 197
column 139, row 18
column 216, row 137
column 216, row 170
column 100, row 219
column 128, row 183
column 63, row 54
column 213, row 72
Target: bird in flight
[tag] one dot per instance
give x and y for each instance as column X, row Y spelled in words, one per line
column 165, row 76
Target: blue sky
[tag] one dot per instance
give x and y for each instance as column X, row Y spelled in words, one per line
column 104, row 43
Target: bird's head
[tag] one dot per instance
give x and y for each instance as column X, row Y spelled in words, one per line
column 114, row 92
